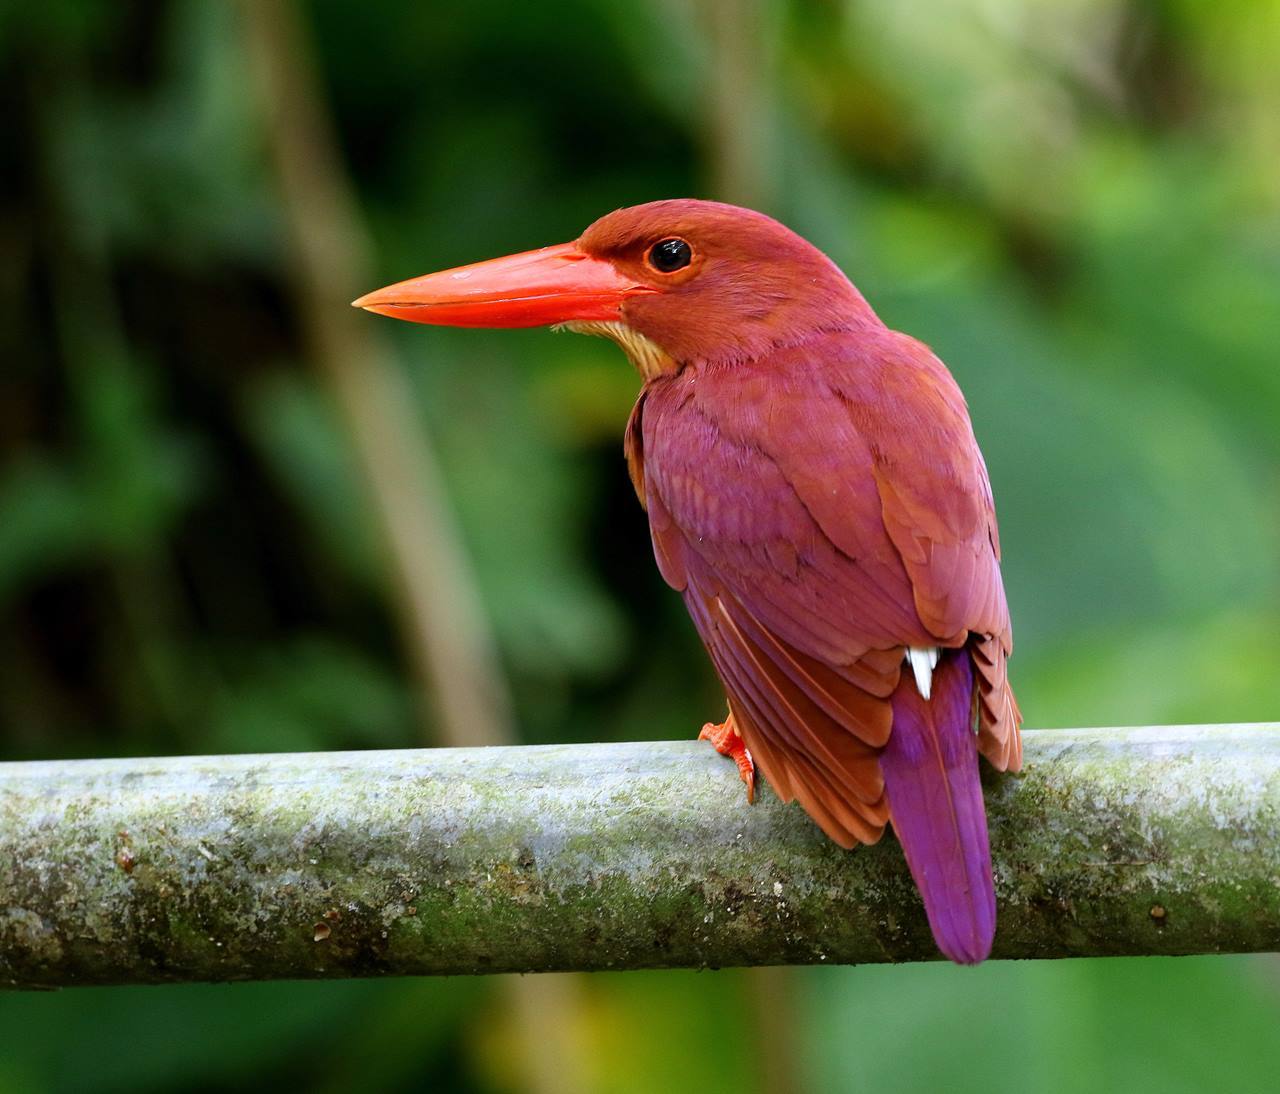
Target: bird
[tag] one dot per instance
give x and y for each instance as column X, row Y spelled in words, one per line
column 816, row 495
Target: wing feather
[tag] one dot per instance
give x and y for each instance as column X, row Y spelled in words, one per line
column 821, row 511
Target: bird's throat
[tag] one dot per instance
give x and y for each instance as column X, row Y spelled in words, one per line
column 649, row 358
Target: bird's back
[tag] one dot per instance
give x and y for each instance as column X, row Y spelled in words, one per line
column 821, row 511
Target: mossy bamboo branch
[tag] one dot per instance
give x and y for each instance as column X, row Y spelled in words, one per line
column 621, row 856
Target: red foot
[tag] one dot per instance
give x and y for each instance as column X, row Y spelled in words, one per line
column 725, row 739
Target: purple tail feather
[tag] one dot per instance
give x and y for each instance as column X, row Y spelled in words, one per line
column 930, row 770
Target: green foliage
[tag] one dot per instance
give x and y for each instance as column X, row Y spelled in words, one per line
column 1126, row 1024
column 1076, row 205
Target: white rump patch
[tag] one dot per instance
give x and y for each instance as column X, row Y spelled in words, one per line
column 923, row 660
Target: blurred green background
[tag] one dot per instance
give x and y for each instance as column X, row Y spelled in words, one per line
column 236, row 515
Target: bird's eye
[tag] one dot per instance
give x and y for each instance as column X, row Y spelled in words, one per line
column 670, row 255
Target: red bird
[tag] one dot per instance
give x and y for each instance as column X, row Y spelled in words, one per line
column 816, row 495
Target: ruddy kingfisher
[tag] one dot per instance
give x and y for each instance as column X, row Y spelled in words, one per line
column 817, row 497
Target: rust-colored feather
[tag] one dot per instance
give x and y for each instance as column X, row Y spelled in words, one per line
column 820, row 510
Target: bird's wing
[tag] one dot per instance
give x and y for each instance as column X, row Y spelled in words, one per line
column 785, row 510
column 939, row 512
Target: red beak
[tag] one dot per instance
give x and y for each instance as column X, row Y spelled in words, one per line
column 557, row 284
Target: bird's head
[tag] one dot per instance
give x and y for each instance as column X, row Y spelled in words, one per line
column 671, row 281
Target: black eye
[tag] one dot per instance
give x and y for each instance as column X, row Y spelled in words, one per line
column 670, row 255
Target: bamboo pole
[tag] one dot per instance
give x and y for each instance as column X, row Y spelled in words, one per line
column 1162, row 840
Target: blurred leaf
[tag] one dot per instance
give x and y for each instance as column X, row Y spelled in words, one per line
column 517, row 496
column 310, row 694
column 648, row 1031
column 305, row 445
column 138, row 473
column 1222, row 668
column 242, row 1036
column 171, row 172
column 1053, row 1026
column 42, row 523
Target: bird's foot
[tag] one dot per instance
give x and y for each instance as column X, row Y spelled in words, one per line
column 726, row 740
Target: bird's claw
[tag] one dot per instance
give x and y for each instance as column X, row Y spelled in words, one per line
column 726, row 740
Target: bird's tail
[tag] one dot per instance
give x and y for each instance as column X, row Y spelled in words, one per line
column 930, row 770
